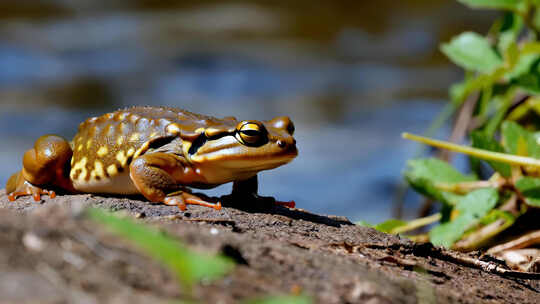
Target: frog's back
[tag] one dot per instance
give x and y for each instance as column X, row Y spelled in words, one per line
column 104, row 146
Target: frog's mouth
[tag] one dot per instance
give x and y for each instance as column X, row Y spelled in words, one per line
column 228, row 160
column 228, row 152
column 245, row 159
column 263, row 163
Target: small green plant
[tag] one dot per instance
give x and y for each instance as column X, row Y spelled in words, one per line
column 474, row 211
column 502, row 69
column 281, row 300
column 187, row 265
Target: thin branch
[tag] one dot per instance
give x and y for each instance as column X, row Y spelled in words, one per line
column 479, row 153
column 461, row 124
column 417, row 223
column 526, row 240
column 491, row 267
column 466, row 187
column 427, row 249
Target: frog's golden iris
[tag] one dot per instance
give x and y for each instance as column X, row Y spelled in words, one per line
column 251, row 133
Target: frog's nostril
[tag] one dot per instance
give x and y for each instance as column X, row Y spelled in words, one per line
column 281, row 143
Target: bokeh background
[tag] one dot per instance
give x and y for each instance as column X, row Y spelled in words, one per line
column 352, row 75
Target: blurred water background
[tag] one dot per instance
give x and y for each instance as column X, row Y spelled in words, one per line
column 351, row 74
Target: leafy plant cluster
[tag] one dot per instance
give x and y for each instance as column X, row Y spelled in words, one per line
column 474, row 211
column 501, row 87
column 502, row 69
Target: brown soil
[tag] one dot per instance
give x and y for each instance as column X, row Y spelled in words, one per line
column 51, row 254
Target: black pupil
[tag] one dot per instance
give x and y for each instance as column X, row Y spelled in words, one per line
column 250, row 132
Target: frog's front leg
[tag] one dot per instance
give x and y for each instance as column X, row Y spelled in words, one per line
column 45, row 165
column 158, row 176
column 247, row 190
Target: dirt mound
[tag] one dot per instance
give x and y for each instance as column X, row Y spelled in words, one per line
column 50, row 248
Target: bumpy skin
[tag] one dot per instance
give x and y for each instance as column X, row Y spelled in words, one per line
column 157, row 152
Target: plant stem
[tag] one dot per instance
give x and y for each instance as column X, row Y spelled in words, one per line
column 527, row 240
column 479, row 237
column 479, row 153
column 496, row 181
column 417, row 223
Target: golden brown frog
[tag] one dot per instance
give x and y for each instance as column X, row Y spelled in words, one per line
column 157, row 152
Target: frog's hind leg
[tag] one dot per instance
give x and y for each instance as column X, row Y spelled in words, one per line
column 156, row 176
column 45, row 165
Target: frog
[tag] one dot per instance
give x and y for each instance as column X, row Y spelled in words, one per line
column 160, row 153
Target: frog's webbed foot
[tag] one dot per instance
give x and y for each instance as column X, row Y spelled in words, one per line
column 17, row 186
column 183, row 198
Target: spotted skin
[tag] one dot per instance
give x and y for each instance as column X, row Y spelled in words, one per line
column 105, row 146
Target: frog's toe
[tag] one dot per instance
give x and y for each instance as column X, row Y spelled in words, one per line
column 28, row 189
column 289, row 204
column 176, row 200
column 195, row 200
column 183, row 198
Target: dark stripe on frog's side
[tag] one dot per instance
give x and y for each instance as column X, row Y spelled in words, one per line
column 202, row 139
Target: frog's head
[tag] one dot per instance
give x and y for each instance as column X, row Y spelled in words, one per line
column 237, row 153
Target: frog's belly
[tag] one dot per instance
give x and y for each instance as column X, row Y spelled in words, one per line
column 118, row 184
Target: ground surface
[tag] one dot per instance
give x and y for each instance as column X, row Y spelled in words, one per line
column 48, row 248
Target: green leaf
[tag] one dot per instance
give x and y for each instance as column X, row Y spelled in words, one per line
column 483, row 104
column 474, row 239
column 472, row 51
column 189, row 266
column 519, row 141
column 363, row 223
column 503, row 104
column 478, row 203
column 536, row 18
column 530, row 189
column 529, row 82
column 482, row 141
column 388, row 225
column 423, row 174
column 496, row 214
column 472, row 208
column 510, row 26
column 281, row 300
column 522, row 67
column 495, row 4
column 447, row 234
column 458, row 91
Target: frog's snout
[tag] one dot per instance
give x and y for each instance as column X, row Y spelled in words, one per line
column 288, row 145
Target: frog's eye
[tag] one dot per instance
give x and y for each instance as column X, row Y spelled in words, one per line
column 251, row 134
column 283, row 122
